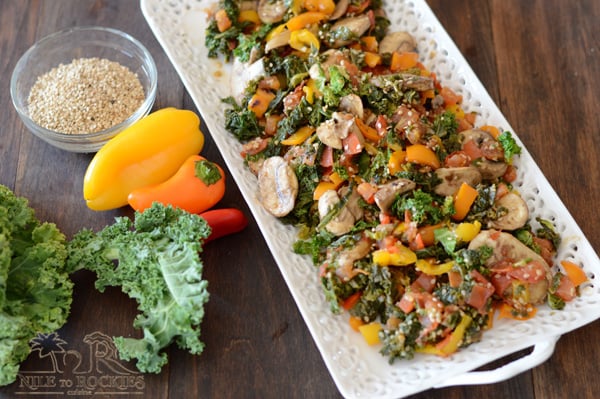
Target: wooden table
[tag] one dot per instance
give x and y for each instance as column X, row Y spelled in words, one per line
column 540, row 61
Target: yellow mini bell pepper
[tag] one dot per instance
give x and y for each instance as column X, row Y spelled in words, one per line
column 148, row 152
column 400, row 256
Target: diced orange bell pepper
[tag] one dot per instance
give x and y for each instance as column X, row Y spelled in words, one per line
column 260, row 101
column 423, row 155
column 463, row 199
column 403, row 61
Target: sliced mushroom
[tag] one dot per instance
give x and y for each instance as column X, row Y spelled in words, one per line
column 277, row 186
column 417, row 82
column 249, row 5
column 491, row 170
column 345, row 218
column 344, row 259
column 347, row 29
column 278, row 40
column 387, row 193
column 516, row 215
column 452, row 178
column 491, row 165
column 397, row 41
column 508, row 249
column 334, row 130
column 340, row 9
column 351, row 103
column 271, row 11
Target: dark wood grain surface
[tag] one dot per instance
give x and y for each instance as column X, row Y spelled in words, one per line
column 540, row 62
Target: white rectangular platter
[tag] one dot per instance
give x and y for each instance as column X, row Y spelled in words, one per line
column 358, row 370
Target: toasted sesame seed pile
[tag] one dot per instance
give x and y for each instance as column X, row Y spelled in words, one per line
column 85, row 96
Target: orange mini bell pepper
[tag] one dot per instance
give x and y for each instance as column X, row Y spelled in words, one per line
column 196, row 187
column 148, row 152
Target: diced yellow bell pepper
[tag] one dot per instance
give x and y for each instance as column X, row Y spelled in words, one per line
column 401, row 256
column 335, row 180
column 370, row 332
column 249, row 16
column 466, row 231
column 432, row 269
column 304, row 40
column 299, row 136
column 456, row 336
column 457, row 110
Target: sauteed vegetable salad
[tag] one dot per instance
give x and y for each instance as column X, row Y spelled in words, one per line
column 404, row 201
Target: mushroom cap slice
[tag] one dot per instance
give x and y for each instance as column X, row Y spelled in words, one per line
column 334, row 130
column 490, row 169
column 352, row 104
column 507, row 248
column 517, row 212
column 278, row 40
column 397, row 41
column 277, row 186
column 356, row 25
column 345, row 218
column 271, row 11
column 387, row 193
column 452, row 178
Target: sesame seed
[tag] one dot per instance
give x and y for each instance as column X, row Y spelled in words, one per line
column 85, row 96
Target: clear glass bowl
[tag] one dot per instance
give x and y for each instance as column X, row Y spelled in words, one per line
column 82, row 42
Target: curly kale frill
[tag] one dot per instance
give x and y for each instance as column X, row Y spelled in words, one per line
column 155, row 259
column 35, row 289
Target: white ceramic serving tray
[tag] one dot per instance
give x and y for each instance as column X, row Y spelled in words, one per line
column 358, row 370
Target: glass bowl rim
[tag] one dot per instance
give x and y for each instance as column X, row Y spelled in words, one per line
column 146, row 60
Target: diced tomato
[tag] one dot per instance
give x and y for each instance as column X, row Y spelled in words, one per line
column 472, row 150
column 501, row 190
column 367, row 191
column 450, row 97
column 427, row 233
column 424, row 282
column 457, row 159
column 546, row 249
column 255, row 146
column 352, row 300
column 357, row 8
column 454, row 279
column 511, row 174
column 500, row 282
column 478, row 277
column 566, row 289
column 292, row 100
column 418, row 242
column 327, row 157
column 406, row 303
column 381, row 125
column 271, row 124
column 532, row 272
column 353, row 144
column 479, row 295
